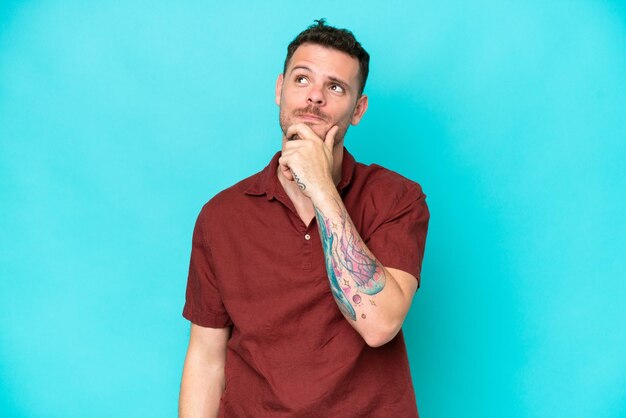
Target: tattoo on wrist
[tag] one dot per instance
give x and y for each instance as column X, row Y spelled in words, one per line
column 301, row 185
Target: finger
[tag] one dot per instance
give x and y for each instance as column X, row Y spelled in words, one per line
column 293, row 133
column 300, row 131
column 287, row 173
column 284, row 168
column 329, row 141
column 283, row 161
column 290, row 147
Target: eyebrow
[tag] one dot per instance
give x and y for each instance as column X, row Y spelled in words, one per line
column 300, row 67
column 340, row 81
column 331, row 78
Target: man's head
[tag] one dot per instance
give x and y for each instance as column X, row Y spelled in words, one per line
column 340, row 39
column 322, row 82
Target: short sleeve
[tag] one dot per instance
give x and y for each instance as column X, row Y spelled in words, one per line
column 203, row 305
column 399, row 242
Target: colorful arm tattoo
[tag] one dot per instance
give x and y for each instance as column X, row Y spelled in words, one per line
column 346, row 254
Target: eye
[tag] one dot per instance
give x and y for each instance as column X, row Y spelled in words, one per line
column 300, row 79
column 337, row 88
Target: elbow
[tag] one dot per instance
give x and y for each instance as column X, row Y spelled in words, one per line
column 382, row 335
column 377, row 341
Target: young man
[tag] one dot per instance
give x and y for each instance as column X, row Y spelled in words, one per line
column 302, row 274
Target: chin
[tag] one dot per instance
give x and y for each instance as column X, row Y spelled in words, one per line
column 319, row 130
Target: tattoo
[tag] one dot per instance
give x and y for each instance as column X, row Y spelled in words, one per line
column 334, row 273
column 345, row 253
column 301, row 185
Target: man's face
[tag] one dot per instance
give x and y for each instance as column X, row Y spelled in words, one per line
column 320, row 88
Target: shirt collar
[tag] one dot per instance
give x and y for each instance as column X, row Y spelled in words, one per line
column 266, row 181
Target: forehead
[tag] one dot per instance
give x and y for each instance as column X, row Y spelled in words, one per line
column 326, row 62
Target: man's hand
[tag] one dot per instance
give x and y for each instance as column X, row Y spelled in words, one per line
column 308, row 160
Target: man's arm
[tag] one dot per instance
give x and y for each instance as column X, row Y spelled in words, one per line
column 203, row 374
column 373, row 298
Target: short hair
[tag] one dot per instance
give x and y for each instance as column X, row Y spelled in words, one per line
column 340, row 39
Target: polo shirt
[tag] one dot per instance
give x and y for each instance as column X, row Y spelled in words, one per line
column 256, row 267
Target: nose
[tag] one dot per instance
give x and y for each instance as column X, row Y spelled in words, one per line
column 315, row 96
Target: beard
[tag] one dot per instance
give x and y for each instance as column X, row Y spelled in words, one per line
column 286, row 121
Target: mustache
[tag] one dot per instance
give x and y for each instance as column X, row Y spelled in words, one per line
column 311, row 110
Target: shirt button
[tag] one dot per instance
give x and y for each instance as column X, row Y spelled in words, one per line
column 307, row 237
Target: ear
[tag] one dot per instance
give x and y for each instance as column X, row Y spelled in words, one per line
column 279, row 88
column 359, row 110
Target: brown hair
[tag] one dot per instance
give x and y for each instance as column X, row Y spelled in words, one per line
column 331, row 37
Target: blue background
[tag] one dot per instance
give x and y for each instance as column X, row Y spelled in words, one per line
column 118, row 120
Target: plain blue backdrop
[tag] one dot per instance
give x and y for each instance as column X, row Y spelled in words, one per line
column 118, row 120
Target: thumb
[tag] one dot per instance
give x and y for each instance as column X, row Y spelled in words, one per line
column 329, row 141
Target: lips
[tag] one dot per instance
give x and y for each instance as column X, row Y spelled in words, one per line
column 310, row 117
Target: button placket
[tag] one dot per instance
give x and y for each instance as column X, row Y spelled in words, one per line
column 307, row 246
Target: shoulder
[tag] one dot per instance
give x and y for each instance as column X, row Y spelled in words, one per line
column 226, row 203
column 381, row 182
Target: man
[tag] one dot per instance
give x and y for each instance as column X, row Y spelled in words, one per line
column 302, row 274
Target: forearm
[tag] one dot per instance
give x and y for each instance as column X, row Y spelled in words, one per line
column 201, row 387
column 365, row 291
